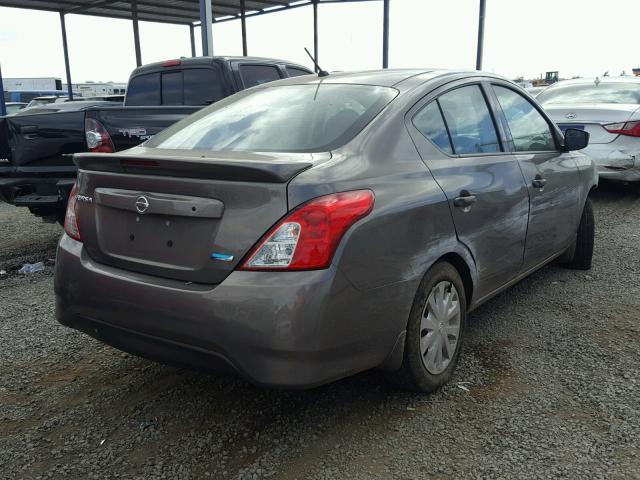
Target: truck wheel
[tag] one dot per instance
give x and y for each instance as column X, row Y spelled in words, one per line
column 434, row 331
column 582, row 247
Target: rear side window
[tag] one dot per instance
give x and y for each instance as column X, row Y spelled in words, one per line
column 296, row 72
column 529, row 130
column 469, row 120
column 253, row 75
column 144, row 90
column 430, row 123
column 203, row 86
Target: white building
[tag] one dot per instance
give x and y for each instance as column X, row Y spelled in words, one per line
column 33, row 83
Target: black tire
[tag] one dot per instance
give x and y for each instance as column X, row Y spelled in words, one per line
column 583, row 244
column 413, row 375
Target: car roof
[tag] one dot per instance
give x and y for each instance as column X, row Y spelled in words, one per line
column 397, row 78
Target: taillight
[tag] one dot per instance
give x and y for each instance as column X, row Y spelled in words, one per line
column 98, row 139
column 71, row 216
column 171, row 63
column 631, row 129
column 307, row 238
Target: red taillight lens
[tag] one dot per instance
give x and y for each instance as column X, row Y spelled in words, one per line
column 98, row 139
column 171, row 63
column 71, row 216
column 307, row 238
column 631, row 129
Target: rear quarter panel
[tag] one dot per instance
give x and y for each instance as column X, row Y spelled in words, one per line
column 386, row 254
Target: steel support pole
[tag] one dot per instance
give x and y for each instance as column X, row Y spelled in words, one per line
column 243, row 22
column 480, row 34
column 65, row 49
column 3, row 107
column 192, row 36
column 315, row 33
column 136, row 32
column 385, row 35
column 206, row 27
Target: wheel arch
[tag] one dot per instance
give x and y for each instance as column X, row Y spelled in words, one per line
column 460, row 264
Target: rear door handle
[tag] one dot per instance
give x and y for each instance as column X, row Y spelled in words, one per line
column 465, row 200
column 539, row 182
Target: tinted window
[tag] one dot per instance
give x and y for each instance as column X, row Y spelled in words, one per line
column 253, row 75
column 203, row 86
column 529, row 130
column 430, row 123
column 603, row 92
column 296, row 72
column 172, row 88
column 144, row 90
column 293, row 118
column 470, row 124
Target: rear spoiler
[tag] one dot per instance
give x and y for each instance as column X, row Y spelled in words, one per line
column 274, row 171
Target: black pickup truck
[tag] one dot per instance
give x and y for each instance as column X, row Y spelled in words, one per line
column 36, row 169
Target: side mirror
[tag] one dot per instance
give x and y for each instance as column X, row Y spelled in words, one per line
column 575, row 139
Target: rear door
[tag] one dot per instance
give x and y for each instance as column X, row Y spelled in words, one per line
column 552, row 177
column 483, row 183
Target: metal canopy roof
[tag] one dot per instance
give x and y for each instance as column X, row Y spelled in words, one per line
column 186, row 12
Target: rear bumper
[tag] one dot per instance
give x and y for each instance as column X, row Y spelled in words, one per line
column 280, row 329
column 616, row 162
column 36, row 191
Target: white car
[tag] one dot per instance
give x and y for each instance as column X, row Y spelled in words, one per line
column 609, row 109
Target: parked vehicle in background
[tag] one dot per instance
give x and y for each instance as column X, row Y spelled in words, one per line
column 39, row 101
column 36, row 170
column 28, row 95
column 316, row 227
column 13, row 107
column 609, row 109
column 73, row 106
column 45, row 100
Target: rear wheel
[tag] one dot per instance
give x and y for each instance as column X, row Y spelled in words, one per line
column 581, row 251
column 434, row 331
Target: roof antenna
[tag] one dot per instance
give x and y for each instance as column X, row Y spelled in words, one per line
column 321, row 72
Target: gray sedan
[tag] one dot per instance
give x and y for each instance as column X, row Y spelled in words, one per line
column 312, row 228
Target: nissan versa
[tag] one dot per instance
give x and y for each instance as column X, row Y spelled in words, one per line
column 305, row 230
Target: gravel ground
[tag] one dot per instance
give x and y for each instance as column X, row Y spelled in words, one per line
column 547, row 387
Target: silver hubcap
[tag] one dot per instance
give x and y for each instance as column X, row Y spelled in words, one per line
column 440, row 327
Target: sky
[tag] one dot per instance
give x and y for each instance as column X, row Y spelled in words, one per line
column 522, row 38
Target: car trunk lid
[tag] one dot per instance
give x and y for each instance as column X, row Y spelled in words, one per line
column 591, row 118
column 181, row 215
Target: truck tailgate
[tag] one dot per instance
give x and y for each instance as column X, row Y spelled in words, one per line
column 42, row 140
column 130, row 126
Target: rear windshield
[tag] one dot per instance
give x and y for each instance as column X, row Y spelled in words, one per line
column 191, row 86
column 592, row 93
column 291, row 118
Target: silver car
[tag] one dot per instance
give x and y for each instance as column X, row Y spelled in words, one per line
column 609, row 109
column 311, row 228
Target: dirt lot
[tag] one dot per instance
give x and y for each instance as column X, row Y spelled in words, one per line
column 548, row 386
